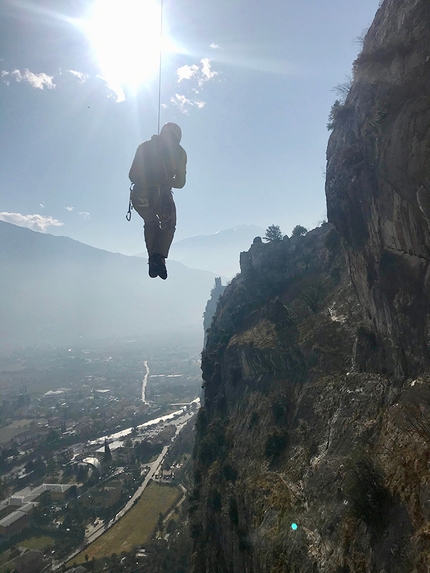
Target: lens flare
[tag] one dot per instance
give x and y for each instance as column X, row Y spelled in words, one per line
column 126, row 38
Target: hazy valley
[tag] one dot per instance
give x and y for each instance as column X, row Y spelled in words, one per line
column 55, row 290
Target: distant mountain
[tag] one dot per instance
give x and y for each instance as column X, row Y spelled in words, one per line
column 57, row 290
column 218, row 253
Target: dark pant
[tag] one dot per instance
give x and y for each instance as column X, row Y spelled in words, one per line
column 156, row 207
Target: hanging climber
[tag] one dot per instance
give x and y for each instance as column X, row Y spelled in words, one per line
column 159, row 164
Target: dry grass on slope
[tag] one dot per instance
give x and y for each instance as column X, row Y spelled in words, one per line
column 137, row 526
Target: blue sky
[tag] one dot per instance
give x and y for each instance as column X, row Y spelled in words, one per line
column 250, row 83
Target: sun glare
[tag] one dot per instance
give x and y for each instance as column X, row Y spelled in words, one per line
column 126, row 38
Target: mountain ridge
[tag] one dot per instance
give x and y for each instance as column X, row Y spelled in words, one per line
column 217, row 252
column 58, row 289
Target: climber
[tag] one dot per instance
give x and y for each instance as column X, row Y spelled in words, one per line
column 159, row 164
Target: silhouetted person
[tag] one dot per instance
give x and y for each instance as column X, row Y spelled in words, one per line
column 159, row 164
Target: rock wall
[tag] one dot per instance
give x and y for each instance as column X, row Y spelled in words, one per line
column 311, row 450
column 210, row 309
column 378, row 179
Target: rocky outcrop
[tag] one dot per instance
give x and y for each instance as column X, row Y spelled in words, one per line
column 378, row 180
column 210, row 309
column 312, row 446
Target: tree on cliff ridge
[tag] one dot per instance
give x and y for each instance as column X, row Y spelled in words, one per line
column 273, row 233
column 299, row 231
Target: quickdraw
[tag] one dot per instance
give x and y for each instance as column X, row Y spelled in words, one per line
column 130, row 206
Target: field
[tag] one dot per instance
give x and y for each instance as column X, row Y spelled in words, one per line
column 136, row 527
column 40, row 543
column 18, row 427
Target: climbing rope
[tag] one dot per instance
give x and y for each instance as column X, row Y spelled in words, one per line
column 160, row 65
column 130, row 205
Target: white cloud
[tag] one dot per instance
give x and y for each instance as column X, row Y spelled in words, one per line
column 184, row 104
column 201, row 73
column 117, row 93
column 41, row 205
column 214, row 46
column 42, row 81
column 187, row 72
column 83, row 214
column 38, row 81
column 207, row 73
column 197, row 75
column 35, row 222
column 181, row 102
column 80, row 75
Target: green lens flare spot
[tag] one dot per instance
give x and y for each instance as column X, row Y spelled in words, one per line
column 294, row 526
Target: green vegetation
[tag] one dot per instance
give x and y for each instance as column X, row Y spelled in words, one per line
column 338, row 112
column 342, row 90
column 299, row 231
column 273, row 233
column 137, row 526
column 339, row 109
column 313, row 296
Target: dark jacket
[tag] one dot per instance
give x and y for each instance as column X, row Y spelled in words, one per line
column 159, row 163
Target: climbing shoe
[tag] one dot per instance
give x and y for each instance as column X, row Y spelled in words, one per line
column 153, row 266
column 161, row 267
column 157, row 266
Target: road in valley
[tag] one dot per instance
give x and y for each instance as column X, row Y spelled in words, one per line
column 94, row 533
column 153, row 469
column 145, row 382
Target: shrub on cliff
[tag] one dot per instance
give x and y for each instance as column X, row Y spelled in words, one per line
column 313, row 296
column 338, row 112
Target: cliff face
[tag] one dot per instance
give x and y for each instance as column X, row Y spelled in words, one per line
column 378, row 180
column 311, row 450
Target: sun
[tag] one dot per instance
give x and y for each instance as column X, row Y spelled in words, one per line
column 126, row 38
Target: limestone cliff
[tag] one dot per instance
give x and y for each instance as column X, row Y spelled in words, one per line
column 378, row 180
column 312, row 442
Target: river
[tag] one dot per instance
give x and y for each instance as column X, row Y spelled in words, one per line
column 123, row 433
column 153, row 422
